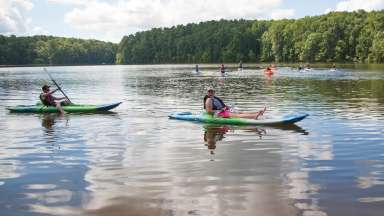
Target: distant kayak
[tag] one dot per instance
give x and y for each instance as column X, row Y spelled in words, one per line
column 40, row 108
column 206, row 118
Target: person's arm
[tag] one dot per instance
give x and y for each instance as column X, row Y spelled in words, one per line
column 208, row 106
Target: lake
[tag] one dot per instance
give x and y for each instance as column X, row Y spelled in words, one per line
column 136, row 161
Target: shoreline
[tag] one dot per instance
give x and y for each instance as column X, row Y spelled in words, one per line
column 259, row 65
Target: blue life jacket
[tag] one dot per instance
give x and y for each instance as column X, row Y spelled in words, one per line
column 217, row 103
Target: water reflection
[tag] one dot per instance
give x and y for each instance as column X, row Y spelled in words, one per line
column 49, row 122
column 212, row 134
column 137, row 161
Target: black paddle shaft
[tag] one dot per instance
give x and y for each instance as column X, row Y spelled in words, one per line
column 57, row 85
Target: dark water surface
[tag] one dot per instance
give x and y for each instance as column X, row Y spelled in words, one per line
column 135, row 161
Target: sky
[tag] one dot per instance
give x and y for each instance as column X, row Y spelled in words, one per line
column 110, row 20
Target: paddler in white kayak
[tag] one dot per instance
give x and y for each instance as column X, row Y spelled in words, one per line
column 48, row 99
column 215, row 106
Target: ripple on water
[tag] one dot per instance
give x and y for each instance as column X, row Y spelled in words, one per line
column 136, row 160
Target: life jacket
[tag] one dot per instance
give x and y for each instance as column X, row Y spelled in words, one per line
column 47, row 100
column 217, row 103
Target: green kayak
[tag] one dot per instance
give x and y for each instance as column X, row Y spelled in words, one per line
column 80, row 108
column 206, row 118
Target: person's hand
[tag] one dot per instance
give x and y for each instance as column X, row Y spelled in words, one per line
column 263, row 110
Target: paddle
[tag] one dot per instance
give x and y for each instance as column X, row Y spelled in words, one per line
column 57, row 85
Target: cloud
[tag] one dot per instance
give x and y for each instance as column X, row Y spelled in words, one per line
column 328, row 10
column 36, row 30
column 352, row 5
column 118, row 18
column 13, row 17
column 282, row 13
column 71, row 2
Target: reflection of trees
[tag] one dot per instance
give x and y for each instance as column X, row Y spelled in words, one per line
column 346, row 89
column 334, row 89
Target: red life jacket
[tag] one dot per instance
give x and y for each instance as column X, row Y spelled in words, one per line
column 48, row 100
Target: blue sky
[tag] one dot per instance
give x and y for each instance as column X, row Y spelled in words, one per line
column 109, row 20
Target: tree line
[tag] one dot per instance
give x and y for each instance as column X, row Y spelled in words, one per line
column 334, row 37
column 49, row 50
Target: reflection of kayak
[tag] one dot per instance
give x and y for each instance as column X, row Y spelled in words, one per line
column 40, row 108
column 206, row 118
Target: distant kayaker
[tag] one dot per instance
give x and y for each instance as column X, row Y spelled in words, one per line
column 222, row 69
column 48, row 99
column 215, row 106
column 268, row 71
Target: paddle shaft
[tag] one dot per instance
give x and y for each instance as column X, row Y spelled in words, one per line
column 57, row 85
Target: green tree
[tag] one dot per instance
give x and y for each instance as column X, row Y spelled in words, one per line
column 377, row 49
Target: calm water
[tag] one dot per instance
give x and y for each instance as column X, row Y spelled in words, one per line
column 135, row 161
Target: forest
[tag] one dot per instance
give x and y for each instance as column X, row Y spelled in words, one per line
column 49, row 50
column 333, row 37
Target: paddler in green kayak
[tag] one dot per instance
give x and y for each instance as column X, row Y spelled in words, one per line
column 48, row 99
column 215, row 106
